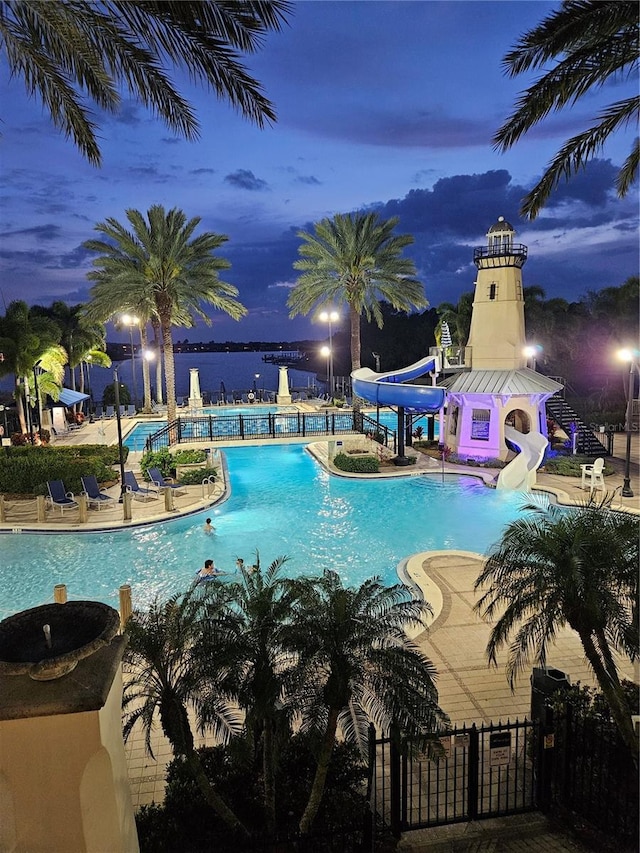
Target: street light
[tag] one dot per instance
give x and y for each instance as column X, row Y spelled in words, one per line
column 532, row 352
column 632, row 358
column 148, row 355
column 131, row 320
column 326, row 353
column 116, row 392
column 330, row 317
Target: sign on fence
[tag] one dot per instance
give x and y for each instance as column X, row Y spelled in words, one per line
column 499, row 749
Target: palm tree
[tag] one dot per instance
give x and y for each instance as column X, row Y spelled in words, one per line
column 73, row 51
column 577, row 567
column 160, row 264
column 250, row 635
column 361, row 667
column 169, row 677
column 29, row 340
column 591, row 44
column 355, row 259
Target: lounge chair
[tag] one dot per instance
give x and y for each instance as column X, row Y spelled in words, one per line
column 95, row 496
column 109, row 411
column 131, row 411
column 60, row 497
column 592, row 476
column 155, row 475
column 140, row 493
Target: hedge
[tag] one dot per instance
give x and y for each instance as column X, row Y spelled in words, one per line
column 25, row 470
column 357, row 464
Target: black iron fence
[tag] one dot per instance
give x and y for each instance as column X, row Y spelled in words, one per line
column 478, row 772
column 250, row 427
column 586, row 770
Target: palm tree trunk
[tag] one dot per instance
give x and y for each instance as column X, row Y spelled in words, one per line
column 20, row 406
column 169, row 369
column 211, row 796
column 356, row 350
column 322, row 768
column 268, row 772
column 612, row 690
column 158, row 341
column 146, row 378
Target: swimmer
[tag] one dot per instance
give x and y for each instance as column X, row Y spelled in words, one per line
column 208, row 527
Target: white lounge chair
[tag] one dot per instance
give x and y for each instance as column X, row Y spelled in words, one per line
column 592, row 476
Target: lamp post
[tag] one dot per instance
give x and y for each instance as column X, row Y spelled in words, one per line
column 632, row 358
column 116, row 393
column 326, row 353
column 148, row 355
column 330, row 317
column 131, row 321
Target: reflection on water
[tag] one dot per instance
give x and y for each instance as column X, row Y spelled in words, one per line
column 281, row 502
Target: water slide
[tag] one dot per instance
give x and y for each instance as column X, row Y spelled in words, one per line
column 392, row 389
column 520, row 473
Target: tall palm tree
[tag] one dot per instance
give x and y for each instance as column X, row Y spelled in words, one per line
column 586, row 44
column 361, row 667
column 355, row 259
column 73, row 51
column 161, row 263
column 578, row 567
column 168, row 678
column 78, row 335
column 257, row 611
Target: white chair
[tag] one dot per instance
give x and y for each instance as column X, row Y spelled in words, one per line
column 592, row 477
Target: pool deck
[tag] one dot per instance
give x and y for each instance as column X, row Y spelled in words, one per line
column 469, row 691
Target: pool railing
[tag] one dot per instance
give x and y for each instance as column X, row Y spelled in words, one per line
column 250, row 427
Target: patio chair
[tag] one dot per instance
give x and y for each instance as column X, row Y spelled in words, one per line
column 131, row 411
column 95, row 496
column 155, row 475
column 110, row 412
column 592, row 476
column 140, row 493
column 60, row 497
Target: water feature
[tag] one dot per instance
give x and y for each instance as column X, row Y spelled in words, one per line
column 282, row 502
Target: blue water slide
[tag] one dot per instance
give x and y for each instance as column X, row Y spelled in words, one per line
column 392, row 389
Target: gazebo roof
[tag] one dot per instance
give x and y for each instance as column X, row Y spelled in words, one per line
column 510, row 382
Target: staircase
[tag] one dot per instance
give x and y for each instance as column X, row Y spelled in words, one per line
column 587, row 443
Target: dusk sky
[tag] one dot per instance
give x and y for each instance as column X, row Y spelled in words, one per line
column 389, row 106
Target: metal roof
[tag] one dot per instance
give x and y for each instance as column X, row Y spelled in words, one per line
column 523, row 381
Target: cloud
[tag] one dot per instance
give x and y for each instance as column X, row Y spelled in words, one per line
column 244, row 179
column 202, row 172
column 41, row 232
column 311, row 180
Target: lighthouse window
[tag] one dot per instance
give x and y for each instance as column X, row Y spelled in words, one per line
column 492, row 290
column 480, row 421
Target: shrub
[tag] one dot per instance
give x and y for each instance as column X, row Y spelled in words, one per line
column 189, row 457
column 186, row 823
column 196, row 476
column 161, row 459
column 357, row 464
column 25, row 470
column 569, row 466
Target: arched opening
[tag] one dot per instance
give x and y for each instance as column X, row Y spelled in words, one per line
column 518, row 419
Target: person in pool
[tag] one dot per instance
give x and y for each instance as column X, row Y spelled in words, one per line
column 208, row 527
column 209, row 570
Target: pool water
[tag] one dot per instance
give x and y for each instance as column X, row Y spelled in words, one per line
column 136, row 438
column 282, row 502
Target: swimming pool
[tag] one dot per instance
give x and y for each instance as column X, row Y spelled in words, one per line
column 282, row 502
column 136, row 438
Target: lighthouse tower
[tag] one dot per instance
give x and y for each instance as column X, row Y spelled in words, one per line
column 496, row 410
column 497, row 335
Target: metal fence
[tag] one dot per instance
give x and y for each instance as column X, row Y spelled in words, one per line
column 587, row 770
column 272, row 425
column 478, row 772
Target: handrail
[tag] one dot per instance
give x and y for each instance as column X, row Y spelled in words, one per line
column 209, row 428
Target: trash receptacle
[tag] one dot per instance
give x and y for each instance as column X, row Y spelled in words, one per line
column 544, row 682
